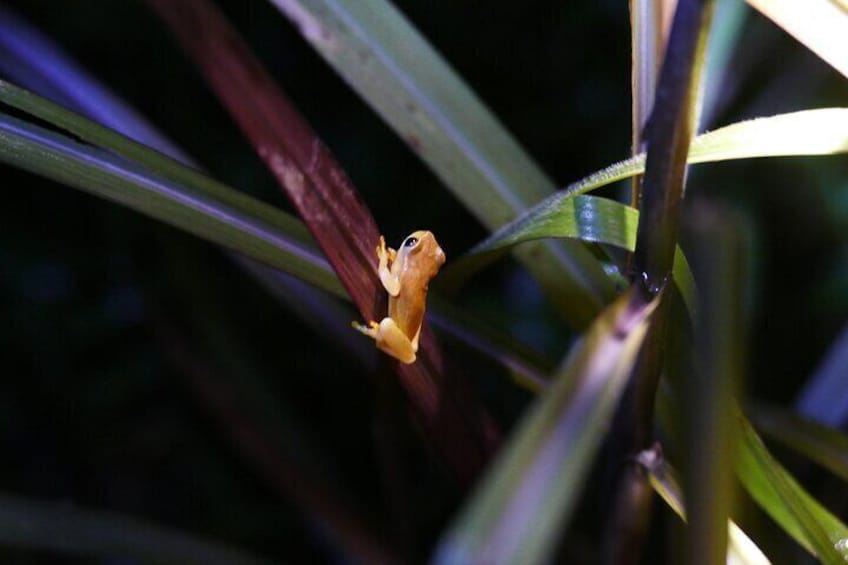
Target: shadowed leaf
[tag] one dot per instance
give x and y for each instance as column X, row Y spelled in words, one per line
column 825, row 445
column 230, row 219
column 740, row 548
column 77, row 531
column 443, row 404
column 779, row 494
column 378, row 52
column 517, row 513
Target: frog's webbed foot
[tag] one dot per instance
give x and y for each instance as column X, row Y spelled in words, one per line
column 369, row 329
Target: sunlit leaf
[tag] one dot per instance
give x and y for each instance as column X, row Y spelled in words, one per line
column 822, row 131
column 809, row 132
column 530, row 491
column 585, row 217
column 821, row 25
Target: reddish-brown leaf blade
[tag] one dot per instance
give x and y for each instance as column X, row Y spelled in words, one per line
column 335, row 214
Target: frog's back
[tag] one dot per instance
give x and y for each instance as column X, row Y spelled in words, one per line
column 407, row 308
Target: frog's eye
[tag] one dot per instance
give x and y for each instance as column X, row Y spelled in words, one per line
column 410, row 241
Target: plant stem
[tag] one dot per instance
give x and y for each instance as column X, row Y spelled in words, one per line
column 667, row 135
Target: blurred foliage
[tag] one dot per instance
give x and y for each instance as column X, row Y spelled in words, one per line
column 94, row 410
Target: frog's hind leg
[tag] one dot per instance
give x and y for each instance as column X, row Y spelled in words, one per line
column 390, row 339
column 393, row 341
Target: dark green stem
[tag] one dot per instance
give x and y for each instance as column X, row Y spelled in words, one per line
column 667, row 135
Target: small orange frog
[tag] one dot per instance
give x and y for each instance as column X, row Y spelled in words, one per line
column 405, row 275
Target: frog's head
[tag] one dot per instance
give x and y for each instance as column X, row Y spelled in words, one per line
column 422, row 252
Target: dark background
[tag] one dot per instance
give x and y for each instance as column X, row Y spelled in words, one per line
column 99, row 305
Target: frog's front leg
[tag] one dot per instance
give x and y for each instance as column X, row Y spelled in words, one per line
column 390, row 339
column 386, row 256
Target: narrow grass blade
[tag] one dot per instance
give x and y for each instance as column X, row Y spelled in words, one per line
column 719, row 352
column 443, row 403
column 821, row 25
column 719, row 83
column 779, row 494
column 808, row 132
column 30, row 58
column 33, row 524
column 238, row 223
column 467, row 331
column 741, row 550
column 279, row 283
column 158, row 163
column 650, row 21
column 825, row 445
column 37, row 63
column 585, row 217
column 518, row 512
column 371, row 45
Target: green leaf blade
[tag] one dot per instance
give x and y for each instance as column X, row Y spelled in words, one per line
column 237, row 224
column 825, row 445
column 376, row 50
column 517, row 512
column 740, row 548
column 779, row 494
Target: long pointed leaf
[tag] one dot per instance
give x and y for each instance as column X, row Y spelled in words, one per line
column 64, row 527
column 337, row 217
column 713, row 383
column 775, row 490
column 741, row 550
column 236, row 223
column 821, row 25
column 780, row 495
column 32, row 59
column 158, row 163
column 467, row 331
column 808, row 132
column 404, row 79
column 516, row 514
column 825, row 445
column 584, row 217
